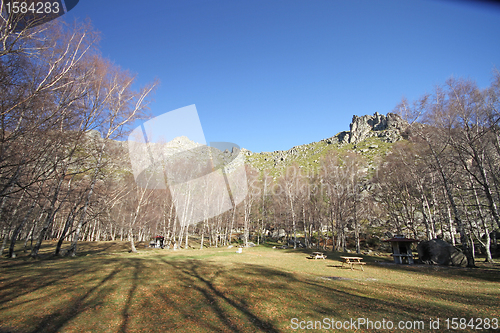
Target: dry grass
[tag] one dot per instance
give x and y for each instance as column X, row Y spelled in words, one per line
column 106, row 289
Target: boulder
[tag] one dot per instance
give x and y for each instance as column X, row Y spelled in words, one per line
column 439, row 252
column 278, row 233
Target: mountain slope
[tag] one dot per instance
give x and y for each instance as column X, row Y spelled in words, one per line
column 371, row 136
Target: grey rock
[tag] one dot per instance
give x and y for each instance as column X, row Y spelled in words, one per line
column 439, row 252
column 389, row 127
column 278, row 233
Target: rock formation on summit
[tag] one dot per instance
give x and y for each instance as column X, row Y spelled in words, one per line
column 387, row 127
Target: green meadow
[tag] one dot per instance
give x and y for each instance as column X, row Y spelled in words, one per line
column 107, row 289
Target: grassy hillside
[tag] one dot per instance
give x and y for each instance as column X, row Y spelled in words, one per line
column 309, row 156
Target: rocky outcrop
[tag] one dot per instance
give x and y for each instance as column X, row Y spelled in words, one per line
column 389, row 128
column 439, row 252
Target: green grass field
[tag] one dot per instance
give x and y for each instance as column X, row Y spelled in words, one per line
column 107, row 289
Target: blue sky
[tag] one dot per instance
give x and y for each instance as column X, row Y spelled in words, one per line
column 270, row 75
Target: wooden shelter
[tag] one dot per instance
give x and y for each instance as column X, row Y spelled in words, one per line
column 401, row 249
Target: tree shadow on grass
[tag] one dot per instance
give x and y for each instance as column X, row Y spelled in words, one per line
column 52, row 296
column 195, row 271
column 355, row 304
column 490, row 274
column 460, row 299
column 235, row 291
column 56, row 320
column 84, row 248
column 184, row 294
column 107, row 247
column 27, row 277
column 231, row 292
column 137, row 268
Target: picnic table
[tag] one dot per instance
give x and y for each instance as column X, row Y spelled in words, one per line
column 353, row 261
column 317, row 255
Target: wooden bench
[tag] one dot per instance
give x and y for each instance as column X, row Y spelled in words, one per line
column 317, row 255
column 353, row 261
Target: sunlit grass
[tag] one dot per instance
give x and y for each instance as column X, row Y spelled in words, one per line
column 108, row 289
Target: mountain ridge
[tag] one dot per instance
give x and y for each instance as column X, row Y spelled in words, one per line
column 369, row 135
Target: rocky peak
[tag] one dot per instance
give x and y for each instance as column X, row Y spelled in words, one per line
column 389, row 127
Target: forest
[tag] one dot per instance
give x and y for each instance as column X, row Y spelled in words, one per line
column 65, row 174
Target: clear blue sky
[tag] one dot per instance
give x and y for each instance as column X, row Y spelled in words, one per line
column 272, row 74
